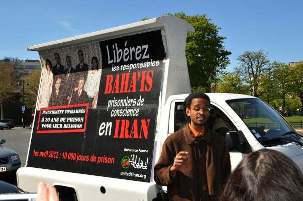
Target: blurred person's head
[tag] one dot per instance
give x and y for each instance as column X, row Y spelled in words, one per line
column 57, row 58
column 68, row 61
column 264, row 175
column 94, row 63
column 80, row 56
column 48, row 65
column 58, row 83
column 81, row 83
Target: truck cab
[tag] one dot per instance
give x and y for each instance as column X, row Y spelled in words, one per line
column 250, row 124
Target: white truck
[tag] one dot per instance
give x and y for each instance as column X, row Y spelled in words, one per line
column 107, row 101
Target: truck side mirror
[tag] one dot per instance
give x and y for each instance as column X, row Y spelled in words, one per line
column 237, row 141
column 2, row 141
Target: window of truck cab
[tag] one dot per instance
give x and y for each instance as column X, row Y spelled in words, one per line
column 221, row 120
column 266, row 124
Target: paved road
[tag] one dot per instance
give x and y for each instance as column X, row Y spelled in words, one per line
column 17, row 139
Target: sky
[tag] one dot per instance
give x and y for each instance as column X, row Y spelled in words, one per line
column 274, row 26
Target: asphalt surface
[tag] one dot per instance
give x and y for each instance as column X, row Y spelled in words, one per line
column 17, row 139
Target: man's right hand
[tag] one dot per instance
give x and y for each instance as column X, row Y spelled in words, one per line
column 179, row 161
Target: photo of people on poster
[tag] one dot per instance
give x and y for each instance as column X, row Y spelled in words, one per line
column 81, row 75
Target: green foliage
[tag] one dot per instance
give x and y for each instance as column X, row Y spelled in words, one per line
column 282, row 80
column 267, row 90
column 199, row 89
column 205, row 52
column 292, row 103
column 232, row 83
column 279, row 84
column 7, row 83
column 296, row 84
column 297, row 77
column 31, row 85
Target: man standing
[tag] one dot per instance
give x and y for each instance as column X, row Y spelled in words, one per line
column 79, row 95
column 58, row 68
column 194, row 162
column 56, row 97
column 81, row 66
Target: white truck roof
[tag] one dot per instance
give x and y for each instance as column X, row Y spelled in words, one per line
column 215, row 97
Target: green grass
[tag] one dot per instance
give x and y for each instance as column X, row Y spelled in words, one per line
column 257, row 120
column 295, row 121
column 294, row 118
column 264, row 120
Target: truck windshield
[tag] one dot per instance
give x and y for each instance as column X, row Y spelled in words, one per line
column 264, row 122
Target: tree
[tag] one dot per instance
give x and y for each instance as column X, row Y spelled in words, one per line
column 7, row 84
column 205, row 52
column 282, row 80
column 232, row 83
column 267, row 90
column 31, row 85
column 252, row 64
column 296, row 84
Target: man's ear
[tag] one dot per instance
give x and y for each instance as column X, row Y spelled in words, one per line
column 187, row 111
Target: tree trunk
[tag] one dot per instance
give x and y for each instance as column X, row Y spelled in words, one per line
column 1, row 111
column 254, row 91
column 284, row 105
column 301, row 99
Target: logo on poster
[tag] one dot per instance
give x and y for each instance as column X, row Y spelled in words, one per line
column 134, row 161
column 125, row 162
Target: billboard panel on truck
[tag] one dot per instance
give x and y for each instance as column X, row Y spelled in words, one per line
column 97, row 107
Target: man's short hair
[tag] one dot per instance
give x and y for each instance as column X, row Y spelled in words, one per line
column 192, row 96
